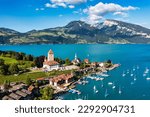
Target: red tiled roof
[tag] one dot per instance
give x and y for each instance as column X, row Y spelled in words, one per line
column 61, row 77
column 50, row 63
column 30, row 88
column 40, row 79
column 86, row 60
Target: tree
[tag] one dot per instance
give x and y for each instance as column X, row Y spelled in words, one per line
column 109, row 61
column 6, row 85
column 13, row 69
column 39, row 61
column 29, row 58
column 28, row 81
column 1, row 62
column 4, row 69
column 67, row 61
column 46, row 93
column 59, row 60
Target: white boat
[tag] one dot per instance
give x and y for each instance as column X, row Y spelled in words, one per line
column 123, row 74
column 120, row 90
column 133, row 69
column 110, row 83
column 131, row 74
column 127, row 71
column 102, row 84
column 106, row 93
column 114, row 87
column 99, row 79
column 105, row 75
column 95, row 90
column 144, row 74
column 134, row 78
column 148, row 78
column 146, row 71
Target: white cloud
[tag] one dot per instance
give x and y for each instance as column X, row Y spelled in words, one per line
column 79, row 11
column 39, row 9
column 71, row 6
column 97, row 12
column 50, row 5
column 68, row 1
column 123, row 14
column 64, row 3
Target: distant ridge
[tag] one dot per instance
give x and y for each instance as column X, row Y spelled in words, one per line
column 75, row 32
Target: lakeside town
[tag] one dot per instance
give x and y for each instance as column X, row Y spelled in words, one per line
column 51, row 86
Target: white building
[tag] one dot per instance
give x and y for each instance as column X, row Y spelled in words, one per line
column 50, row 64
column 76, row 60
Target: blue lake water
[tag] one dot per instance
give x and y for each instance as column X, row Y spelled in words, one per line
column 134, row 59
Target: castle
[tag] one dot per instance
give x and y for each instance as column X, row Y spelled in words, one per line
column 50, row 64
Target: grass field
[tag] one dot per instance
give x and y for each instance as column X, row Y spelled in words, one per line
column 21, row 64
column 33, row 75
column 8, row 60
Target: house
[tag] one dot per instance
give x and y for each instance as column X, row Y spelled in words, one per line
column 101, row 64
column 7, row 98
column 42, row 81
column 86, row 61
column 34, row 90
column 16, row 87
column 61, row 79
column 26, row 91
column 94, row 64
column 15, row 96
column 24, row 95
column 76, row 60
column 50, row 64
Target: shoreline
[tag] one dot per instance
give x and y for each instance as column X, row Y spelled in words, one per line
column 59, row 95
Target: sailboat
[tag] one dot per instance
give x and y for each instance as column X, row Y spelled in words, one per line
column 95, row 90
column 120, row 90
column 131, row 74
column 133, row 68
column 146, row 71
column 106, row 93
column 123, row 74
column 113, row 87
column 128, row 71
column 134, row 78
column 102, row 84
column 148, row 78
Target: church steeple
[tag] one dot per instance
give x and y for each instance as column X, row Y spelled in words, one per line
column 50, row 55
column 75, row 56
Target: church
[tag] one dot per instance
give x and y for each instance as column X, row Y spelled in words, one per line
column 50, row 64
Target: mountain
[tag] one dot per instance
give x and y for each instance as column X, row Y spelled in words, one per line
column 109, row 31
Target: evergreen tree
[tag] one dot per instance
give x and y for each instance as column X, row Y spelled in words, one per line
column 46, row 93
column 13, row 69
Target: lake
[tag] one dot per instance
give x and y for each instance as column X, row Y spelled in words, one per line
column 134, row 60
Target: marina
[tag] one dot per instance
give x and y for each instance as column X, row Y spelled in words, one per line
column 133, row 73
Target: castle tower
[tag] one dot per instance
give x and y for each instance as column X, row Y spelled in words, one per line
column 50, row 55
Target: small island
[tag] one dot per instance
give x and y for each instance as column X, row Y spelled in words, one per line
column 25, row 77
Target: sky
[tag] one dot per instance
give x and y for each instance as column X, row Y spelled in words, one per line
column 26, row 15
